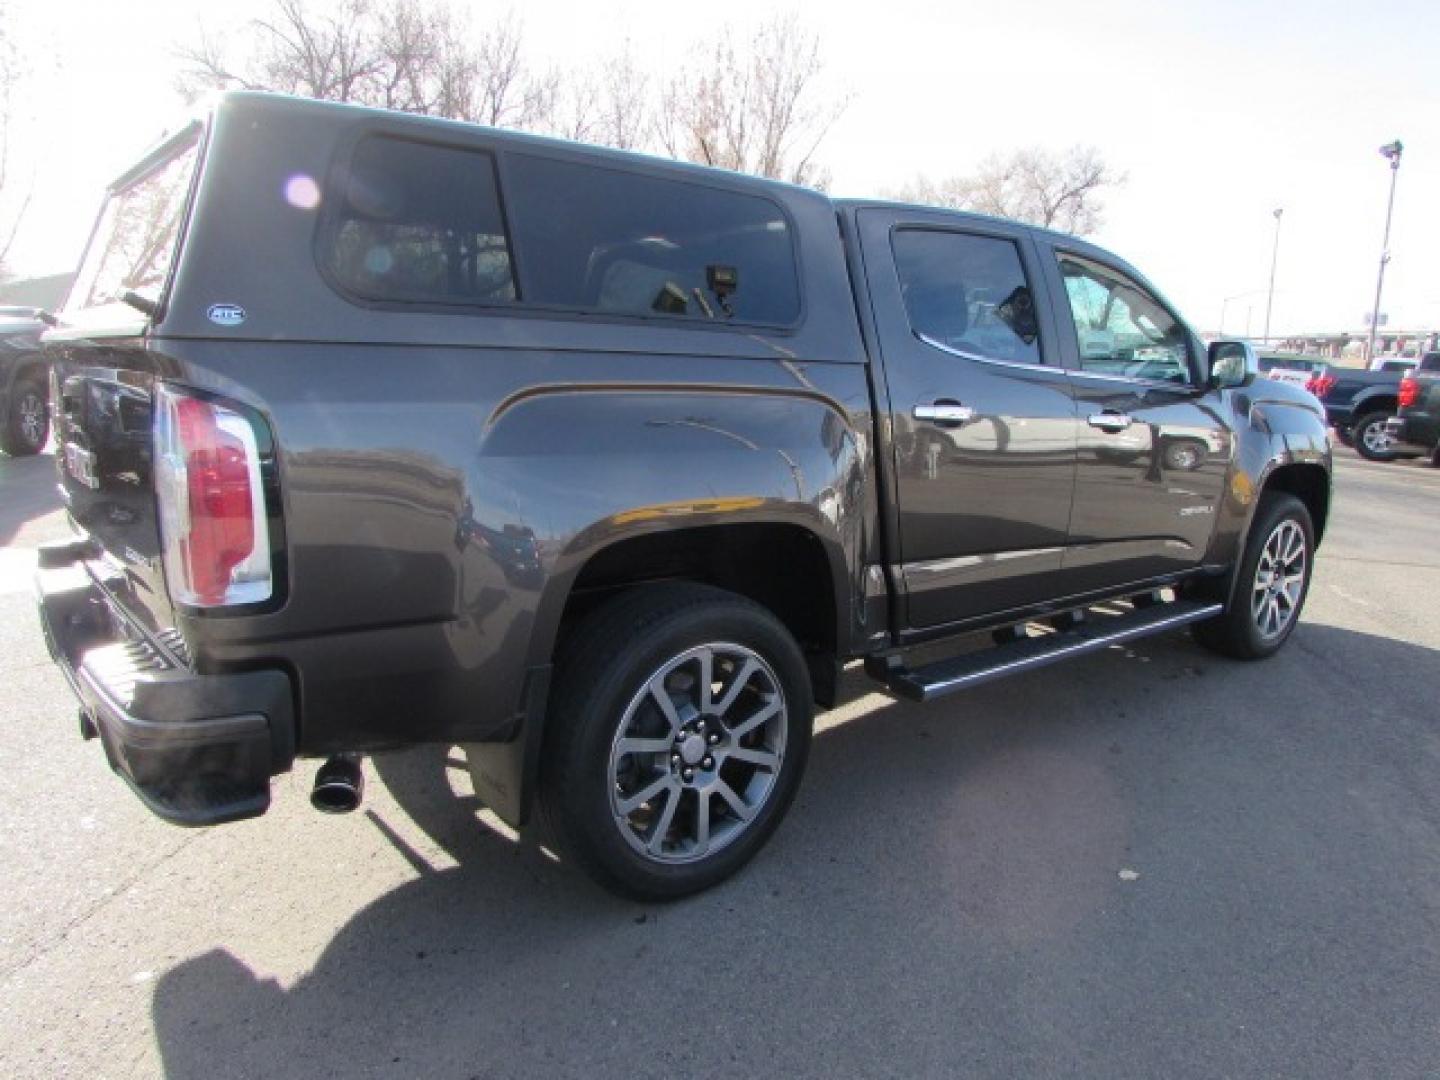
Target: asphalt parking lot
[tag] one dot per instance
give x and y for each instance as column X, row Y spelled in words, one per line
column 1149, row 863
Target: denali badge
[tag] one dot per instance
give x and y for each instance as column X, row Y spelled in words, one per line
column 226, row 314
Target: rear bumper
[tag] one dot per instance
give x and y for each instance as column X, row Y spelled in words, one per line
column 1413, row 434
column 196, row 749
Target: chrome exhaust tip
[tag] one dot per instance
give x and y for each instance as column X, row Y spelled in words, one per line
column 339, row 785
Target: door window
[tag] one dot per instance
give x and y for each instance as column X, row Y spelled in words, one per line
column 1121, row 329
column 968, row 293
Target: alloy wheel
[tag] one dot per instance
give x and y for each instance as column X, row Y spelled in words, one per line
column 1376, row 439
column 1279, row 580
column 32, row 418
column 697, row 753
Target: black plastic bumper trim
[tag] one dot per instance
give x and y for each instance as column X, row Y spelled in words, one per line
column 196, row 749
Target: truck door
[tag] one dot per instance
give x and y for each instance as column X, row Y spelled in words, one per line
column 982, row 418
column 1153, row 449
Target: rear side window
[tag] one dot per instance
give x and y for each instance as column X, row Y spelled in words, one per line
column 606, row 240
column 968, row 293
column 420, row 223
column 134, row 244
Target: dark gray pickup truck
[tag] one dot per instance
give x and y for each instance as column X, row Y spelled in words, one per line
column 1416, row 429
column 379, row 430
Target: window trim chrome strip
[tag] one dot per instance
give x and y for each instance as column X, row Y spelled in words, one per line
column 1074, row 373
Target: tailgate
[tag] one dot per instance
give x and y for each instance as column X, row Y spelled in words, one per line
column 104, row 373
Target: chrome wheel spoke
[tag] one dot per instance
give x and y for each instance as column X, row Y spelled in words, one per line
column 631, row 803
column 662, row 699
column 702, row 824
column 737, row 805
column 737, row 684
column 761, row 757
column 744, row 728
column 707, row 679
column 662, row 827
column 645, row 746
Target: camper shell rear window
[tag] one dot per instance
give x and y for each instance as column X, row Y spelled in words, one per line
column 134, row 243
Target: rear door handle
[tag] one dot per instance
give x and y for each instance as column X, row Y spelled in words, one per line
column 1109, row 421
column 945, row 412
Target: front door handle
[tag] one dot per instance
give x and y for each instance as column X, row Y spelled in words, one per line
column 945, row 412
column 1109, row 421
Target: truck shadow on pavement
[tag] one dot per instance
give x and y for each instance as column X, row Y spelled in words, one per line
column 952, row 887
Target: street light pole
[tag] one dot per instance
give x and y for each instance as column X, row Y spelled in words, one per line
column 1274, row 255
column 1392, row 152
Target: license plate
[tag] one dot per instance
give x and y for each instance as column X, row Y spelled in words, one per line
column 80, row 464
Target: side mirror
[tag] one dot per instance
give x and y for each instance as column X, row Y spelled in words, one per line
column 1232, row 363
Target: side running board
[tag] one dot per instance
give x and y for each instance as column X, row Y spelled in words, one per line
column 1027, row 653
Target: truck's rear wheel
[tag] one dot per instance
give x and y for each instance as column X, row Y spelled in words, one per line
column 1273, row 581
column 678, row 734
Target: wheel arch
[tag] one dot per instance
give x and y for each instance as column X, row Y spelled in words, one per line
column 785, row 567
column 1308, row 483
column 1374, row 401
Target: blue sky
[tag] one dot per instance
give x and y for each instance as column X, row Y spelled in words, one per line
column 1217, row 112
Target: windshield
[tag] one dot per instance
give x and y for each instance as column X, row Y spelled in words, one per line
column 134, row 244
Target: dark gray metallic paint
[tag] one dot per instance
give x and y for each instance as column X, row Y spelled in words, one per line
column 442, row 479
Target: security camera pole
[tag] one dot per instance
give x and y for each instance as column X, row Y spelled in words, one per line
column 1391, row 151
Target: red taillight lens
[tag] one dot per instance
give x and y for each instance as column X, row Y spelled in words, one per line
column 1409, row 392
column 1320, row 385
column 213, row 528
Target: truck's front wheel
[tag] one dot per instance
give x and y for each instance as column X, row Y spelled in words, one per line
column 1273, row 581
column 677, row 736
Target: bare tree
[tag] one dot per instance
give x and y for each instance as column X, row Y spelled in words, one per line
column 1058, row 191
column 15, row 193
column 625, row 117
column 756, row 108
column 413, row 55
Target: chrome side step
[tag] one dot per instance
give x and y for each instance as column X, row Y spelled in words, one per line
column 1027, row 653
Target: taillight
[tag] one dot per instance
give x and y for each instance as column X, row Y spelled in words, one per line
column 1320, row 384
column 1409, row 391
column 213, row 528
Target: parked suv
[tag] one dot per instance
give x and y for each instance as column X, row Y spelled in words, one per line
column 24, row 388
column 379, row 430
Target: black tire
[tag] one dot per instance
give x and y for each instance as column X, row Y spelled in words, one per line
column 601, row 685
column 1237, row 632
column 27, row 421
column 1368, row 425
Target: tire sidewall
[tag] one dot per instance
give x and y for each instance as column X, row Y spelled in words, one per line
column 589, row 710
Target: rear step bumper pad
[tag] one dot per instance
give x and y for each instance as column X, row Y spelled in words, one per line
column 196, row 749
column 961, row 672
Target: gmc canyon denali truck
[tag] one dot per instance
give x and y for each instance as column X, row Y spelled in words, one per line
column 380, row 430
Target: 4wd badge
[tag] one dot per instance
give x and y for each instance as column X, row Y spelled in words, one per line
column 226, row 314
